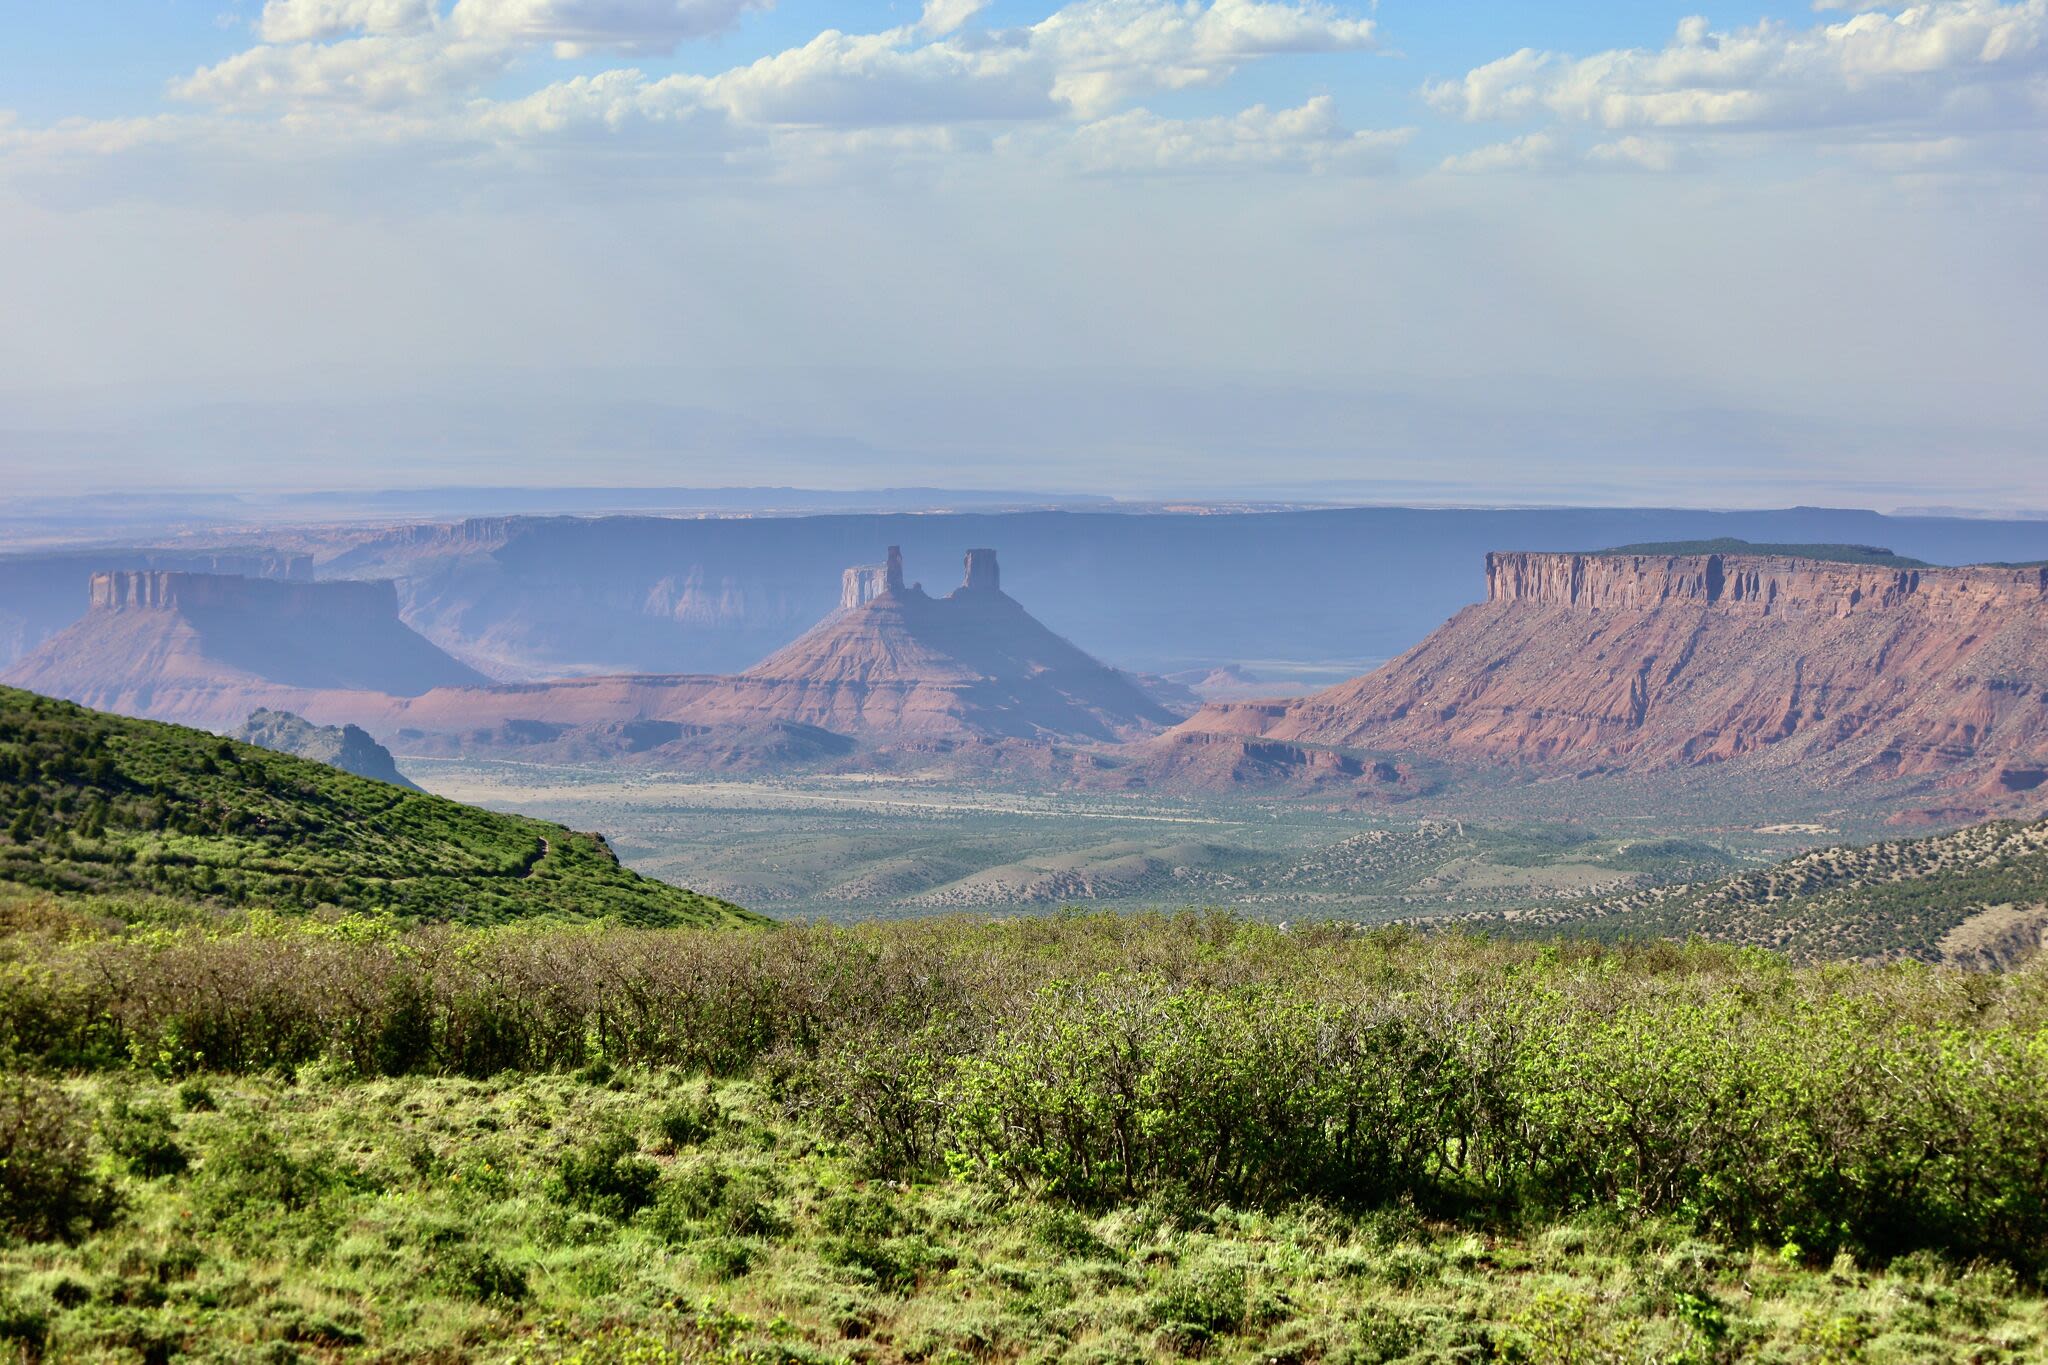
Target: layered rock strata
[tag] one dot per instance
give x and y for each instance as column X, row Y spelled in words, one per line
column 1581, row 663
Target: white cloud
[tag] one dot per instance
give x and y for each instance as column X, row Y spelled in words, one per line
column 298, row 21
column 1534, row 152
column 374, row 71
column 845, row 80
column 1639, row 153
column 576, row 27
column 948, row 16
column 333, row 78
column 1310, row 137
column 1106, row 51
column 1951, row 63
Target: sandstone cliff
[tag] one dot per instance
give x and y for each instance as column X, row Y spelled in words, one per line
column 1835, row 672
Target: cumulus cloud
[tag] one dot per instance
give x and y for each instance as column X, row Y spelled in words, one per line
column 298, row 21
column 389, row 72
column 1310, row 137
column 575, row 27
column 1534, row 152
column 1104, row 51
column 947, row 16
column 373, row 71
column 1949, row 63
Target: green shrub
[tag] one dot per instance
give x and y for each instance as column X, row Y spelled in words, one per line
column 24, row 1325
column 688, row 1122
column 473, row 1272
column 47, row 1187
column 144, row 1137
column 607, row 1177
column 249, row 1179
column 1203, row 1300
column 734, row 1203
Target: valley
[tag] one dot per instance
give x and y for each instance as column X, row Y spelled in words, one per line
column 866, row 845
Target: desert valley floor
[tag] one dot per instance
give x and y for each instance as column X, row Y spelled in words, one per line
column 859, row 846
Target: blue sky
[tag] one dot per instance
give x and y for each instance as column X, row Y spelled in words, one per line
column 1733, row 253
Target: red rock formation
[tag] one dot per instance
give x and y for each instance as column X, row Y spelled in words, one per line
column 899, row 668
column 863, row 583
column 207, row 649
column 1841, row 672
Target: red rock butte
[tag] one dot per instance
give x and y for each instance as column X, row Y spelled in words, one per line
column 892, row 666
column 207, row 649
column 1580, row 663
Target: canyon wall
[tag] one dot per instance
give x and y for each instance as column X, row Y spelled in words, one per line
column 178, row 590
column 1759, row 584
column 1822, row 672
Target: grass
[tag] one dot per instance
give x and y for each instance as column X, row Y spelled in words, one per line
column 320, row 1217
column 98, row 804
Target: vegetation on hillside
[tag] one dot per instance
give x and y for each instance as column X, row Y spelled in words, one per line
column 95, row 803
column 1893, row 899
column 1083, row 1137
column 1837, row 554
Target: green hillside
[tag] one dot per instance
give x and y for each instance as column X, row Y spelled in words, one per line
column 99, row 804
column 1837, row 554
column 1977, row 895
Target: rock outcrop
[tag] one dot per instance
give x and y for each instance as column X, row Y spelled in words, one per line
column 863, row 583
column 39, row 590
column 896, row 670
column 1830, row 672
column 207, row 649
column 347, row 747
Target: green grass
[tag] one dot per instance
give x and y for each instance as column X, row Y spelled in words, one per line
column 1837, row 554
column 319, row 1217
column 102, row 805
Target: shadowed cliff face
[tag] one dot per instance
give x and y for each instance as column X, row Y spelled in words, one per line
column 209, row 648
column 1837, row 672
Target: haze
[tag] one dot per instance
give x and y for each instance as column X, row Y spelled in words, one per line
column 1730, row 254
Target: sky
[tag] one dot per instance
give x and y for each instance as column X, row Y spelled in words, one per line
column 1611, row 252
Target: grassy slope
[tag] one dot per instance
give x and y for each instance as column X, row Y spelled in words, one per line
column 1838, row 554
column 1894, row 899
column 100, row 804
column 426, row 1220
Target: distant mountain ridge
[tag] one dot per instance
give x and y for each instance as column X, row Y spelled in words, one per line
column 537, row 596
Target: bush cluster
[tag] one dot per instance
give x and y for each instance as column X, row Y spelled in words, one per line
column 48, row 1188
column 1195, row 1058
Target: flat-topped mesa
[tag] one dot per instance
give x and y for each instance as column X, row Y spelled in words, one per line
column 1761, row 584
column 982, row 573
column 178, row 590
